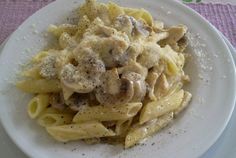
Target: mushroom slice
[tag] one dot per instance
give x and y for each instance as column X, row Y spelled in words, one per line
column 139, row 28
column 138, row 83
column 134, row 67
column 77, row 101
column 114, row 53
column 121, row 93
column 57, row 101
column 176, row 33
column 84, row 77
column 123, row 23
column 151, row 81
column 111, row 78
column 131, row 26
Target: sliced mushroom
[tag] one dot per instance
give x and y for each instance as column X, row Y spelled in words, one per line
column 134, row 67
column 123, row 23
column 100, row 29
column 138, row 83
column 121, row 93
column 131, row 26
column 176, row 33
column 139, row 28
column 151, row 81
column 77, row 101
column 84, row 77
column 112, row 85
column 110, row 44
column 114, row 51
column 57, row 101
column 182, row 43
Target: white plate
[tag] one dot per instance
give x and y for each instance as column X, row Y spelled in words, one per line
column 191, row 134
column 225, row 145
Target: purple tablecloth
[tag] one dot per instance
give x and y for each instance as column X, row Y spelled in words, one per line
column 14, row 12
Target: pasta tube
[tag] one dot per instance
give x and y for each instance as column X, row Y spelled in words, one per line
column 84, row 130
column 58, row 30
column 185, row 102
column 122, row 126
column 140, row 132
column 47, row 119
column 39, row 56
column 114, row 10
column 39, row 86
column 32, row 73
column 105, row 113
column 157, row 108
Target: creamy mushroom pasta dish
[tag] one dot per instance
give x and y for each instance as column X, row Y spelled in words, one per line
column 115, row 76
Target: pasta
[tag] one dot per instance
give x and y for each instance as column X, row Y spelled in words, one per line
column 158, row 108
column 33, row 73
column 139, row 132
column 37, row 105
column 39, row 86
column 122, row 126
column 103, row 113
column 116, row 76
column 52, row 117
column 69, row 132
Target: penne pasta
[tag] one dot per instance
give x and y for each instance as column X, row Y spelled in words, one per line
column 157, row 108
column 39, row 86
column 78, row 131
column 186, row 99
column 139, row 132
column 58, row 30
column 105, row 113
column 122, row 126
column 39, row 56
column 91, row 140
column 37, row 105
column 54, row 119
column 114, row 10
column 33, row 73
